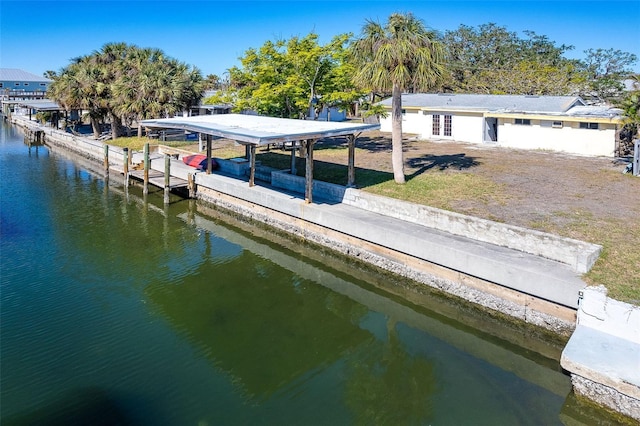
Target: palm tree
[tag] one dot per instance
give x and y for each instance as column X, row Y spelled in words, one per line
column 402, row 55
column 80, row 86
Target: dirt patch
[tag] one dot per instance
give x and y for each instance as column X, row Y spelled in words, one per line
column 536, row 185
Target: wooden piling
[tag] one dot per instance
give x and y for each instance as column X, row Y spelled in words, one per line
column 191, row 184
column 308, row 192
column 167, row 177
column 351, row 170
column 208, row 154
column 252, row 164
column 293, row 160
column 125, row 161
column 106, row 161
column 145, row 188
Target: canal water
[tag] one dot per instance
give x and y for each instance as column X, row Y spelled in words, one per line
column 117, row 309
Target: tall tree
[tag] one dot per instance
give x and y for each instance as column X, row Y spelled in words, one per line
column 125, row 81
column 285, row 78
column 212, row 82
column 491, row 59
column 401, row 55
column 81, row 86
column 630, row 105
column 606, row 69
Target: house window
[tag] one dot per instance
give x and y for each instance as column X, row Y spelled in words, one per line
column 447, row 125
column 593, row 126
column 16, row 84
column 1, row 85
column 26, row 84
column 435, row 127
column 523, row 121
column 557, row 124
column 43, row 84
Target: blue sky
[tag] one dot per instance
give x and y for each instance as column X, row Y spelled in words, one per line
column 45, row 35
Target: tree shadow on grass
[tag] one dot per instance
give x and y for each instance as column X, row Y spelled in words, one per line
column 441, row 162
column 370, row 144
column 323, row 170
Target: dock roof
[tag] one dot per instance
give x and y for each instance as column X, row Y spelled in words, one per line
column 259, row 130
column 40, row 104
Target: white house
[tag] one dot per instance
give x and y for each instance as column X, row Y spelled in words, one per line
column 556, row 123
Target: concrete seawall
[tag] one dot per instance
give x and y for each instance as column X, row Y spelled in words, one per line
column 578, row 254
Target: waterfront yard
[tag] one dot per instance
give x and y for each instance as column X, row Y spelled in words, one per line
column 578, row 197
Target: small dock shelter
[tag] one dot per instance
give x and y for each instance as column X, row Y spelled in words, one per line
column 254, row 130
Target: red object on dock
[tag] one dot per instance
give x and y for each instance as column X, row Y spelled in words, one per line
column 199, row 161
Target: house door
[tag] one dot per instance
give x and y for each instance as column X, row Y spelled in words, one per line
column 491, row 129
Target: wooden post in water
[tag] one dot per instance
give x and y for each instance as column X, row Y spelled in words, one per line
column 167, row 177
column 191, row 183
column 145, row 188
column 125, row 151
column 106, row 161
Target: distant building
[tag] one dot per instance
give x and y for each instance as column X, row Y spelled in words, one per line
column 209, row 109
column 554, row 123
column 16, row 84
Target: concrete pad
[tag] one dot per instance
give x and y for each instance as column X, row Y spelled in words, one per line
column 603, row 353
column 605, row 359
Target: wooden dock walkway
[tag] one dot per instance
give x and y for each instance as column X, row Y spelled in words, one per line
column 156, row 178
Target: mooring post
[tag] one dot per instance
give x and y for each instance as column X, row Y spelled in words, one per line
column 167, row 177
column 125, row 151
column 191, row 183
column 106, row 161
column 145, row 188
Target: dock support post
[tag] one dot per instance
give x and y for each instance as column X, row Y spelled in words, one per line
column 167, row 177
column 106, row 161
column 208, row 154
column 125, row 161
column 145, row 189
column 293, row 159
column 252, row 164
column 308, row 191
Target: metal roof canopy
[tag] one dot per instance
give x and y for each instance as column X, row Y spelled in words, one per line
column 257, row 130
column 40, row 105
